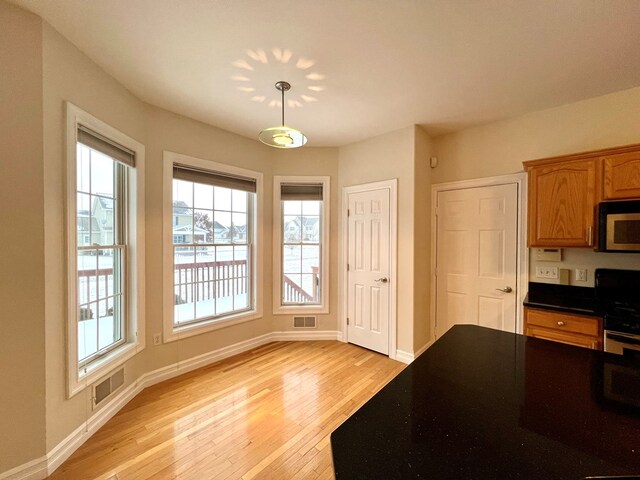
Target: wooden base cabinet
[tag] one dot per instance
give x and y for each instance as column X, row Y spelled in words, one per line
column 579, row 330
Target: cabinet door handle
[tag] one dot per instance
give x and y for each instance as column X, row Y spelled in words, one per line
column 590, row 235
column 561, row 323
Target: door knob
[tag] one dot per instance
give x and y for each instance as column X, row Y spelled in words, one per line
column 505, row 289
column 383, row 280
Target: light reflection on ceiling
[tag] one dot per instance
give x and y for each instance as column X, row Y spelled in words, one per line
column 258, row 71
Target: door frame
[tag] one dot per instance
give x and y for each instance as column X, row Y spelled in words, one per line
column 392, row 186
column 522, row 253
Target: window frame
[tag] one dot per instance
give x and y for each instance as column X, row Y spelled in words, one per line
column 172, row 332
column 322, row 307
column 79, row 377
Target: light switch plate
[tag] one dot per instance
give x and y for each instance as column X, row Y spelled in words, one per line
column 547, row 272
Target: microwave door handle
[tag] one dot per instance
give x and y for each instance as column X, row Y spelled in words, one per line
column 624, row 339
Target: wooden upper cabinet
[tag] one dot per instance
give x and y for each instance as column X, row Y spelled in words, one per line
column 621, row 174
column 562, row 200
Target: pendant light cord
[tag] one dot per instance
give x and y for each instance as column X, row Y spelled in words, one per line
column 282, row 91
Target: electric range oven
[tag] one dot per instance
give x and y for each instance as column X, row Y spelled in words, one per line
column 618, row 295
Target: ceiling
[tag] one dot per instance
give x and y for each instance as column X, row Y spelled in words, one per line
column 358, row 68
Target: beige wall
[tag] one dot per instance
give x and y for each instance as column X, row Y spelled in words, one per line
column 69, row 75
column 501, row 147
column 22, row 347
column 314, row 161
column 382, row 158
column 171, row 132
column 422, row 242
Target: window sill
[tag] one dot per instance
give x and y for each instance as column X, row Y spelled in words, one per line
column 100, row 367
column 300, row 310
column 190, row 330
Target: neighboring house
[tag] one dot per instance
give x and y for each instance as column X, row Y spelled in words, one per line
column 182, row 214
column 102, row 212
column 310, row 227
column 189, row 234
column 221, row 232
column 238, row 233
column 88, row 229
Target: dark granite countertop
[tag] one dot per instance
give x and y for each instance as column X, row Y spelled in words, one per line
column 486, row 404
column 562, row 298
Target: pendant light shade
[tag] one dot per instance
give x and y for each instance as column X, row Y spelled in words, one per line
column 282, row 136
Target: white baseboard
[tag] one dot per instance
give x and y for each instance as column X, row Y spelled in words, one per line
column 406, row 357
column 40, row 468
column 33, row 470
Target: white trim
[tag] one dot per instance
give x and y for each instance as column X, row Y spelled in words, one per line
column 135, row 256
column 170, row 333
column 41, row 467
column 522, row 264
column 323, row 307
column 33, row 470
column 392, row 186
column 406, row 357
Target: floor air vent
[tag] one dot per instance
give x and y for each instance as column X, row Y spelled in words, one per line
column 105, row 388
column 304, row 322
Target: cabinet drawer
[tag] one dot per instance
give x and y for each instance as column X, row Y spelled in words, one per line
column 569, row 338
column 563, row 322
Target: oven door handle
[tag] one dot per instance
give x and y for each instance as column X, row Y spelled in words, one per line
column 628, row 339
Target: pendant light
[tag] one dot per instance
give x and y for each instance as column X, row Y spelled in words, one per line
column 283, row 136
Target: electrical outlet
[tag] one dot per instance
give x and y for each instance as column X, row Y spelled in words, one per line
column 157, row 338
column 547, row 272
column 581, row 274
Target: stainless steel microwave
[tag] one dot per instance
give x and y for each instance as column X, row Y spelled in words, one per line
column 619, row 226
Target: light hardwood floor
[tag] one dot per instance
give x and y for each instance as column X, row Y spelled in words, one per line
column 263, row 414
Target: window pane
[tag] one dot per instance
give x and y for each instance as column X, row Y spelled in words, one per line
column 311, row 229
column 239, row 201
column 87, row 331
column 309, row 285
column 239, row 230
column 102, row 213
column 183, row 193
column 292, row 257
column 83, row 182
column 203, row 196
column 222, row 199
column 310, row 258
column 292, row 207
column 311, row 207
column 292, row 232
column 183, row 281
column 202, row 226
column 222, row 227
column 102, row 168
column 217, row 280
column 204, row 287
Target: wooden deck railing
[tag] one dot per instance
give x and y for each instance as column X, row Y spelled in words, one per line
column 208, row 280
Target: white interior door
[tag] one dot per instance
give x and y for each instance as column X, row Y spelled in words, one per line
column 368, row 279
column 476, row 257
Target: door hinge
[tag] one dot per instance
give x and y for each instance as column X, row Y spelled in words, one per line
column 347, row 320
column 348, row 212
column 436, row 211
column 347, row 267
